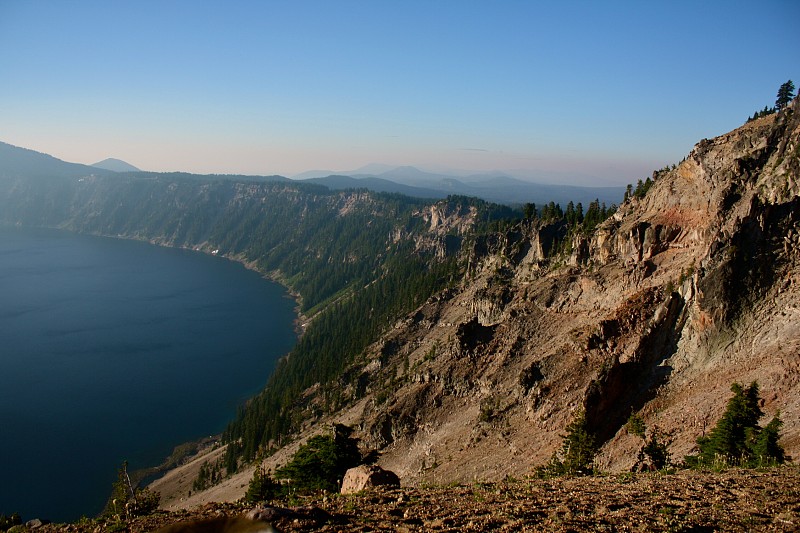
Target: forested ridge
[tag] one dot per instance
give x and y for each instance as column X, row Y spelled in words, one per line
column 356, row 260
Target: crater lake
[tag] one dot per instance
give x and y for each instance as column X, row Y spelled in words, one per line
column 119, row 350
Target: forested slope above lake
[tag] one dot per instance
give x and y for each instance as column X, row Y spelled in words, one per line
column 355, row 260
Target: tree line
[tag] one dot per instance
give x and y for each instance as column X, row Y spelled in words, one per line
column 783, row 98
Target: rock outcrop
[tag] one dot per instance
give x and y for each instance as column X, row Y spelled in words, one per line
column 368, row 476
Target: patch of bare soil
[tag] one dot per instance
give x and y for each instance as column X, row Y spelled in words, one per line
column 735, row 500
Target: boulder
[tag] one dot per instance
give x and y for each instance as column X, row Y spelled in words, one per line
column 366, row 476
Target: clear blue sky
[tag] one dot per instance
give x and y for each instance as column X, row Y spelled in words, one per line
column 587, row 92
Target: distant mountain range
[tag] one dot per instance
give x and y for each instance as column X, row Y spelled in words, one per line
column 16, row 161
column 496, row 187
column 410, row 181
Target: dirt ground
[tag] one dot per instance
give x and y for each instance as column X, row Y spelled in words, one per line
column 734, row 500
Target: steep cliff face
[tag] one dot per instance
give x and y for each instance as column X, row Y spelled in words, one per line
column 679, row 294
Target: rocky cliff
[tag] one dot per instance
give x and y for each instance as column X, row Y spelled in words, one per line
column 680, row 293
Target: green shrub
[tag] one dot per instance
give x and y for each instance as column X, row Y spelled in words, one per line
column 320, row 463
column 635, row 425
column 490, row 408
column 656, row 451
column 127, row 501
column 262, row 487
column 7, row 522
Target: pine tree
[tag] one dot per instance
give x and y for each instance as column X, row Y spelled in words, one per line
column 577, row 450
column 785, row 95
column 728, row 438
column 737, row 438
column 766, row 449
column 529, row 210
column 570, row 213
column 639, row 191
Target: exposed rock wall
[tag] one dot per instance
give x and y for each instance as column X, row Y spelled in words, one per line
column 677, row 295
column 668, row 302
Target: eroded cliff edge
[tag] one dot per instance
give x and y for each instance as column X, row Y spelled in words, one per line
column 658, row 311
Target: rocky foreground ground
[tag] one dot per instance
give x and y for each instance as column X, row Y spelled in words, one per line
column 734, row 500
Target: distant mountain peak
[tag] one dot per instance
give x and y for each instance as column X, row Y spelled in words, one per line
column 407, row 168
column 115, row 165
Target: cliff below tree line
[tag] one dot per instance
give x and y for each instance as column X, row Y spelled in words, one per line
column 682, row 292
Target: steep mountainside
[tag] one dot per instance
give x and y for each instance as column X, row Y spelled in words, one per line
column 658, row 311
column 23, row 163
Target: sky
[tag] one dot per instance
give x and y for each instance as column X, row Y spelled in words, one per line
column 582, row 92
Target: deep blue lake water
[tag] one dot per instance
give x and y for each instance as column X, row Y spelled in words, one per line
column 115, row 350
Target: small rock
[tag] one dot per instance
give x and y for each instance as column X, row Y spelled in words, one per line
column 271, row 514
column 437, row 523
column 267, row 514
column 218, row 524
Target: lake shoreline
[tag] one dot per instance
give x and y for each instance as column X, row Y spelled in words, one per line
column 157, row 477
column 188, row 460
column 108, row 338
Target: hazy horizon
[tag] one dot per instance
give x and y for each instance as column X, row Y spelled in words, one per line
column 368, row 170
column 583, row 93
